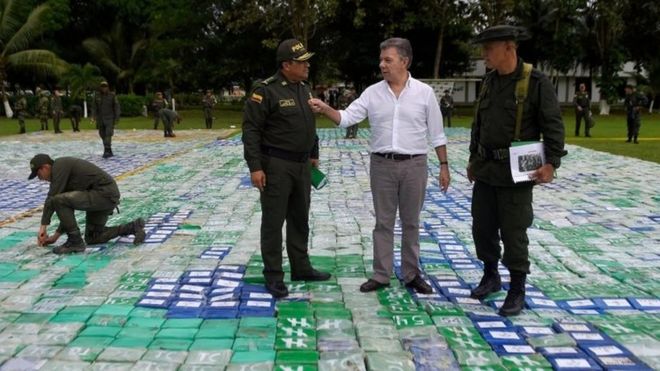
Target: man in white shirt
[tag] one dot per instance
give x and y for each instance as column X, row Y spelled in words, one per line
column 402, row 112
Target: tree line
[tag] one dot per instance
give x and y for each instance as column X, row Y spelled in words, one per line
column 141, row 46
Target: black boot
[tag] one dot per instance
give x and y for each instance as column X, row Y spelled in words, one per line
column 515, row 298
column 490, row 282
column 136, row 228
column 635, row 140
column 73, row 244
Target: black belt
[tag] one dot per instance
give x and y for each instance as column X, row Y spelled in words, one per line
column 396, row 156
column 492, row 154
column 284, row 154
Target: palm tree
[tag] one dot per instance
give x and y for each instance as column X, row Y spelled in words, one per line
column 112, row 53
column 82, row 79
column 16, row 34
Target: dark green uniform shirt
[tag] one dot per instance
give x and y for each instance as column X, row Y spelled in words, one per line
column 277, row 115
column 582, row 100
column 43, row 105
column 70, row 174
column 158, row 104
column 106, row 109
column 56, row 104
column 634, row 103
column 21, row 104
column 495, row 123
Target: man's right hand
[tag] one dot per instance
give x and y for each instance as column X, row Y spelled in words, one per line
column 42, row 235
column 470, row 176
column 317, row 105
column 258, row 179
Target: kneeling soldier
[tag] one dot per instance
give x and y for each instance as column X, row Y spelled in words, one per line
column 76, row 184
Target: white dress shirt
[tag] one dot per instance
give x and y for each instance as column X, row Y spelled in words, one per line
column 398, row 125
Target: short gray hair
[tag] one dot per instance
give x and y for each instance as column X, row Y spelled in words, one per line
column 402, row 46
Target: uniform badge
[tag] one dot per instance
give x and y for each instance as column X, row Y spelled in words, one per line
column 256, row 98
column 287, row 103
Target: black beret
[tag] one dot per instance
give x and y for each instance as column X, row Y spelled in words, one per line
column 501, row 33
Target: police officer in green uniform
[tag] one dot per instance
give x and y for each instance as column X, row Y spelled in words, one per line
column 634, row 103
column 280, row 146
column 208, row 102
column 76, row 184
column 446, row 107
column 21, row 107
column 582, row 104
column 57, row 110
column 106, row 115
column 502, row 209
column 43, row 107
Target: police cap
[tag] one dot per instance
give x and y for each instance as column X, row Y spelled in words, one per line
column 38, row 161
column 501, row 33
column 292, row 50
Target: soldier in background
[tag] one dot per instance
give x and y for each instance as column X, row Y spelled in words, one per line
column 208, row 102
column 57, row 110
column 634, row 103
column 168, row 116
column 21, row 107
column 446, row 107
column 106, row 115
column 43, row 107
column 75, row 114
column 156, row 105
column 582, row 110
column 344, row 101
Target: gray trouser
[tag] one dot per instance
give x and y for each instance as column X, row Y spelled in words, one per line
column 98, row 207
column 402, row 185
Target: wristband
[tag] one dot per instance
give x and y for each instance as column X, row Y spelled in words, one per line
column 444, row 163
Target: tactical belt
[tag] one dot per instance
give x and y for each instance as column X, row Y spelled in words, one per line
column 492, row 154
column 284, row 154
column 396, row 156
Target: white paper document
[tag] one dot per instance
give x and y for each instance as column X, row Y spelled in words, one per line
column 525, row 159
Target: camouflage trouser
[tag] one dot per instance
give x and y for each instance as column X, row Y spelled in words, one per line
column 98, row 207
column 20, row 115
column 43, row 118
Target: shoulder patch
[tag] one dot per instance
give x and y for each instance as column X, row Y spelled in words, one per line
column 256, row 98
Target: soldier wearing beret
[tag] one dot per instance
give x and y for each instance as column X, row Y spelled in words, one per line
column 502, row 209
column 280, row 146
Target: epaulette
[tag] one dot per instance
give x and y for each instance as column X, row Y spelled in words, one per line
column 269, row 80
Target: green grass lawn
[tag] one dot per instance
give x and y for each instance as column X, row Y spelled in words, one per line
column 608, row 135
